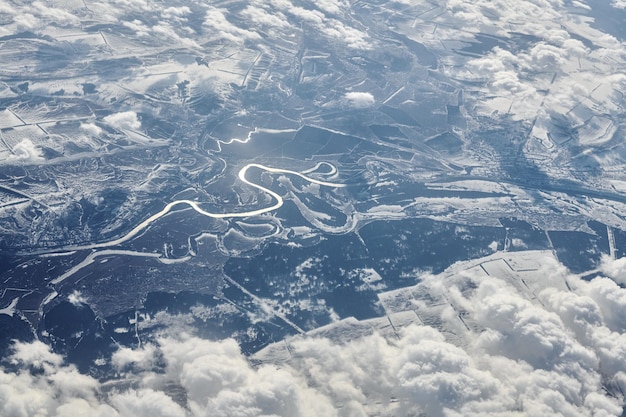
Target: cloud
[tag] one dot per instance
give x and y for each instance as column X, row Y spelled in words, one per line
column 219, row 381
column 54, row 15
column 44, row 387
column 261, row 16
column 359, row 100
column 610, row 298
column 91, row 129
column 26, row 152
column 513, row 324
column 77, row 299
column 123, row 120
column 146, row 403
column 321, row 23
column 34, row 16
column 556, row 352
column 561, row 352
column 352, row 37
column 614, row 268
column 176, row 13
column 584, row 316
column 619, row 4
column 552, row 70
column 165, row 31
column 125, row 359
column 423, row 372
column 216, row 20
column 37, row 355
column 332, row 7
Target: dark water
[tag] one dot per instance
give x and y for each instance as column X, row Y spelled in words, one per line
column 581, row 251
column 398, row 250
column 325, row 274
column 533, row 237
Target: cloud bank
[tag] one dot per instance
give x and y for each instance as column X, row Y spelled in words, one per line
column 562, row 353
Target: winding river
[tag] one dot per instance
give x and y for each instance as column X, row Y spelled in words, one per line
column 196, row 206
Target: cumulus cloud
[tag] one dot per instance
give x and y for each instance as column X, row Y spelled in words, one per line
column 560, row 352
column 217, row 378
column 91, row 129
column 146, row 403
column 44, row 387
column 529, row 359
column 125, row 359
column 35, row 16
column 76, row 298
column 26, row 152
column 584, row 315
column 352, row 37
column 359, row 100
column 260, row 16
column 614, row 268
column 176, row 13
column 55, row 15
column 216, row 20
column 123, row 120
column 619, row 4
column 332, row 7
column 570, row 342
column 165, row 31
column 321, row 20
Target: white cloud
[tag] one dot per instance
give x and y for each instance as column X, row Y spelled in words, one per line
column 55, row 15
column 26, row 152
column 551, row 357
column 610, row 298
column 132, row 5
column 35, row 16
column 352, row 37
column 326, row 26
column 216, row 20
column 514, row 323
column 261, row 16
column 545, row 57
column 359, row 100
column 146, row 403
column 584, row 315
column 123, row 120
column 176, row 13
column 51, row 390
column 77, row 299
column 551, row 76
column 165, row 31
column 141, row 30
column 91, row 129
column 332, row 7
column 614, row 268
column 619, row 4
column 220, row 382
column 141, row 358
column 36, row 354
